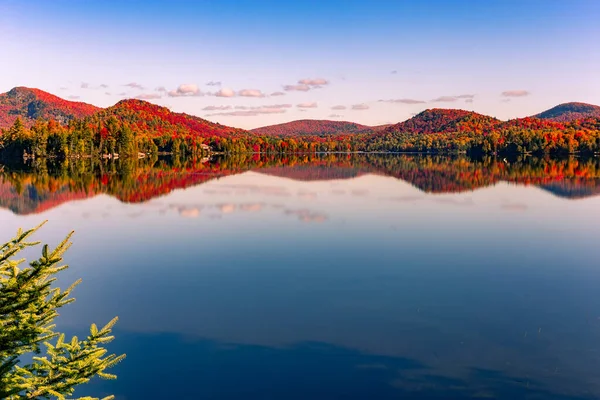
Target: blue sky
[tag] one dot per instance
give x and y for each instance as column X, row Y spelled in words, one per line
column 350, row 55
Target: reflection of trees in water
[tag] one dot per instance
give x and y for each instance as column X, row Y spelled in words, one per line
column 42, row 184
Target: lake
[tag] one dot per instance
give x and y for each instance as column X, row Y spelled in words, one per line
column 329, row 276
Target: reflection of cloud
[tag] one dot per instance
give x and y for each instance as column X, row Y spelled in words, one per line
column 251, row 207
column 226, row 208
column 135, row 214
column 453, row 201
column 189, row 212
column 303, row 194
column 338, row 191
column 514, row 207
column 259, row 189
column 359, row 192
column 305, row 215
column 402, row 199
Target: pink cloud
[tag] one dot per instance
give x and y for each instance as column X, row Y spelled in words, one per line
column 216, row 108
column 444, row 99
column 244, row 111
column 277, row 94
column 339, row 107
column 186, row 90
column 335, row 116
column 360, row 107
column 148, row 96
column 296, row 88
column 515, row 93
column 313, row 82
column 225, row 92
column 134, row 85
column 251, row 93
column 311, row 104
column 404, row 101
column 161, row 89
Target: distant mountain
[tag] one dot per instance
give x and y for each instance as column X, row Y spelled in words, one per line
column 312, row 127
column 156, row 120
column 33, row 104
column 439, row 120
column 569, row 112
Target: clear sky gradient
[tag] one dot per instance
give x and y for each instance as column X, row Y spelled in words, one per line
column 371, row 62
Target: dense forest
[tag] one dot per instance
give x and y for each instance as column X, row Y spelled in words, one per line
column 47, row 126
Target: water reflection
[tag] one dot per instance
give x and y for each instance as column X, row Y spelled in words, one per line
column 42, row 185
column 336, row 276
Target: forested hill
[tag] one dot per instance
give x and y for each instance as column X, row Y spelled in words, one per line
column 32, row 104
column 158, row 121
column 439, row 120
column 569, row 112
column 307, row 127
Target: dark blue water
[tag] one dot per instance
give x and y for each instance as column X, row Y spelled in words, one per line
column 262, row 286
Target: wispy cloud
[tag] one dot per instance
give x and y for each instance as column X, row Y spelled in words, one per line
column 74, row 97
column 245, row 111
column 334, row 116
column 213, row 83
column 339, row 107
column 403, row 101
column 360, row 107
column 515, row 93
column 122, row 94
column 444, row 99
column 296, row 88
column 225, row 92
column 63, row 88
column 468, row 100
column 311, row 104
column 148, row 96
column 216, row 108
column 186, row 90
column 134, row 85
column 85, row 85
column 277, row 94
column 107, row 93
column 251, row 93
column 161, row 89
column 313, row 82
column 104, row 86
column 452, row 99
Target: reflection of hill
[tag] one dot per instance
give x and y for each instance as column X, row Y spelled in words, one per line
column 573, row 189
column 37, row 188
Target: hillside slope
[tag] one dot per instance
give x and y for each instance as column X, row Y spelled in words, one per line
column 33, row 104
column 440, row 120
column 569, row 112
column 156, row 120
column 311, row 127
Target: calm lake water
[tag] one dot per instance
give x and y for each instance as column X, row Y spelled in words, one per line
column 340, row 277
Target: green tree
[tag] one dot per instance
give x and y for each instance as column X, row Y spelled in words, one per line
column 28, row 306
